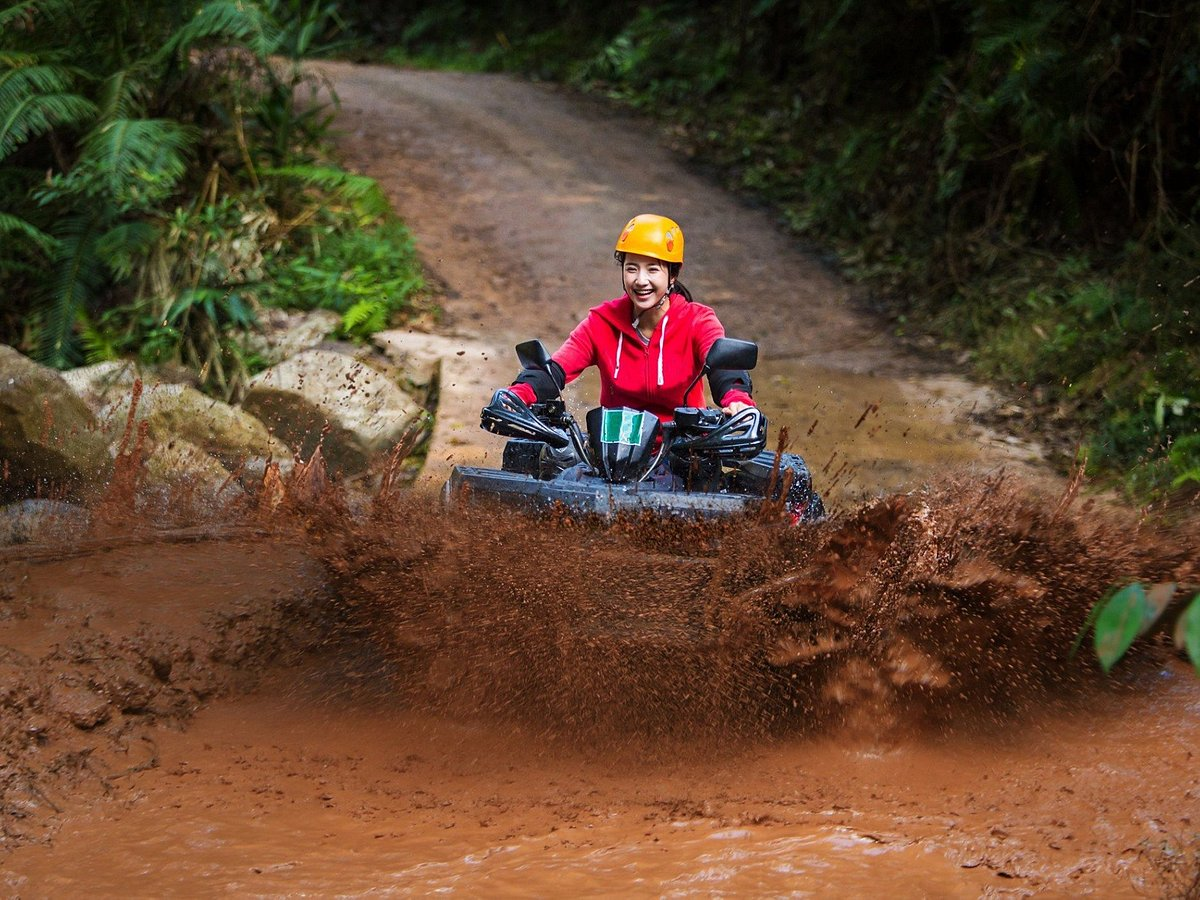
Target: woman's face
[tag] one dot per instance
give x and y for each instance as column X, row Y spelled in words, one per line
column 646, row 281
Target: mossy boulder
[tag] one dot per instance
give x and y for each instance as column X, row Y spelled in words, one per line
column 359, row 410
column 103, row 383
column 49, row 443
column 178, row 412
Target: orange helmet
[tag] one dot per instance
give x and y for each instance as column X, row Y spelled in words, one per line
column 651, row 235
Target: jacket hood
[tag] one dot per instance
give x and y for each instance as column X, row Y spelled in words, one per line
column 619, row 313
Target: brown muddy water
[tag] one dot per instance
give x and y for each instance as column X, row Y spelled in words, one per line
column 486, row 705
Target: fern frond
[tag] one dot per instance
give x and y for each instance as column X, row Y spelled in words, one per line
column 77, row 275
column 136, row 158
column 360, row 312
column 18, row 227
column 99, row 344
column 17, row 59
column 14, row 13
column 123, row 93
column 123, row 245
column 52, row 10
column 360, row 191
column 228, row 21
column 29, row 77
column 33, row 100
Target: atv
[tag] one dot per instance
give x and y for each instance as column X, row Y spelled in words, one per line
column 702, row 463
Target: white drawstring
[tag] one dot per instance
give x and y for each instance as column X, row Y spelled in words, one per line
column 662, row 339
column 620, row 344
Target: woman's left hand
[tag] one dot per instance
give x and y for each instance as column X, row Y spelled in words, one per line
column 734, row 408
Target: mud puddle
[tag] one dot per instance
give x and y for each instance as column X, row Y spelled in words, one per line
column 499, row 705
column 864, row 435
column 296, row 791
column 882, row 702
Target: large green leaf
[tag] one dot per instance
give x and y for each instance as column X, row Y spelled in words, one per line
column 139, row 159
column 35, row 99
column 1187, row 632
column 18, row 227
column 1124, row 616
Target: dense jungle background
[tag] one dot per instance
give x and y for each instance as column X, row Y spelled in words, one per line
column 1016, row 183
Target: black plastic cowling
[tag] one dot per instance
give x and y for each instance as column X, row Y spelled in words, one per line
column 740, row 436
column 508, row 415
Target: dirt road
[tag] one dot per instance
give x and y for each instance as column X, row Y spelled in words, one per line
column 516, row 193
column 328, row 781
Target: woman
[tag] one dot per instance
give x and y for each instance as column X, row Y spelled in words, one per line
column 650, row 342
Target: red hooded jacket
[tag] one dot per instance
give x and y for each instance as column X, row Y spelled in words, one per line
column 643, row 375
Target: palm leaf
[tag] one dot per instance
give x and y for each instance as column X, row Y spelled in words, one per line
column 42, row 9
column 362, row 192
column 77, row 275
column 122, row 245
column 33, row 100
column 11, row 225
column 136, row 158
column 17, row 59
column 17, row 12
column 123, row 93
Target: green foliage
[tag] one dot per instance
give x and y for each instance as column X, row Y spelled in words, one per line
column 335, row 189
column 34, row 99
column 1184, row 457
column 1126, row 615
column 368, row 275
column 1134, row 610
column 153, row 155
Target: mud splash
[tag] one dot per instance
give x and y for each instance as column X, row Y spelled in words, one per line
column 492, row 700
column 948, row 607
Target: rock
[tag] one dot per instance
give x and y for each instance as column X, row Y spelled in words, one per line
column 283, row 334
column 176, row 469
column 79, row 706
column 103, row 383
column 48, row 436
column 40, row 520
column 365, row 413
column 177, row 412
column 420, row 355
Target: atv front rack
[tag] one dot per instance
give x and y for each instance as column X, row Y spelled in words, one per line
column 590, row 496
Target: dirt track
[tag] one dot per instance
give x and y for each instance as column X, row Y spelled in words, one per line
column 328, row 781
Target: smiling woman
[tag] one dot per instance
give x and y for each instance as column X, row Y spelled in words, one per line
column 650, row 343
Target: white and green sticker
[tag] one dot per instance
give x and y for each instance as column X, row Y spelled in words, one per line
column 622, row 426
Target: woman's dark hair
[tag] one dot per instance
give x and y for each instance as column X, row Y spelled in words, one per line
column 672, row 271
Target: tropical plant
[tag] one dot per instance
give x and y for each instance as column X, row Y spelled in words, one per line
column 368, row 275
column 106, row 94
column 1133, row 610
column 152, row 156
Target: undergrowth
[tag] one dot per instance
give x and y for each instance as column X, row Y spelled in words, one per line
column 166, row 172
